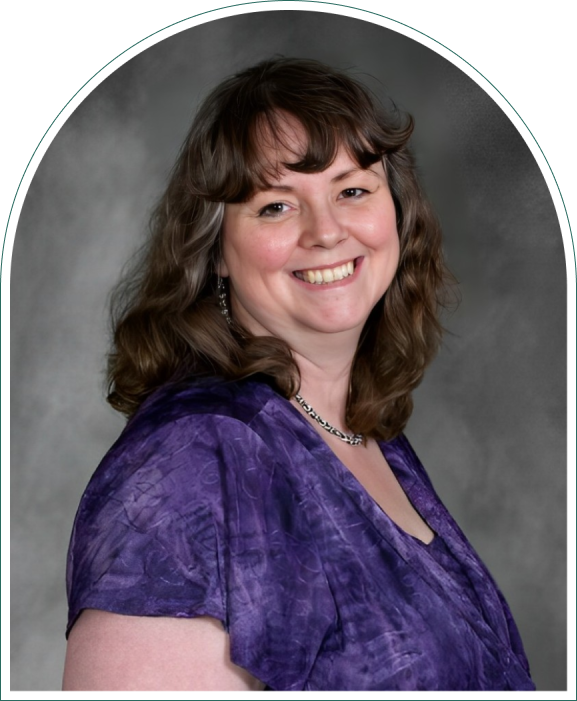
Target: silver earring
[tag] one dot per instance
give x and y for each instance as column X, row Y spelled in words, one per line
column 222, row 301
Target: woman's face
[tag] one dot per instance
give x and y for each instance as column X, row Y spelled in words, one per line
column 314, row 253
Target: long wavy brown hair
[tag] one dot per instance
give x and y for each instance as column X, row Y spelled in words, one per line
column 166, row 318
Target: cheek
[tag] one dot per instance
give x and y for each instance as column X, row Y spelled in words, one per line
column 379, row 223
column 381, row 233
column 258, row 252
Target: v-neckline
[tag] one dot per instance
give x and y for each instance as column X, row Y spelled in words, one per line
column 361, row 495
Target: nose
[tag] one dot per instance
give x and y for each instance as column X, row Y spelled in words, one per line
column 322, row 227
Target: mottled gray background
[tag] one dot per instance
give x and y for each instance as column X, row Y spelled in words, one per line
column 489, row 422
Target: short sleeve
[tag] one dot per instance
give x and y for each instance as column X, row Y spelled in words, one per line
column 147, row 536
column 202, row 517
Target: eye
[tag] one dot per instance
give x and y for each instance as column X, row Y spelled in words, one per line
column 274, row 209
column 353, row 192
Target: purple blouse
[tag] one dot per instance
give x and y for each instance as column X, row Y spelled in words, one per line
column 220, row 499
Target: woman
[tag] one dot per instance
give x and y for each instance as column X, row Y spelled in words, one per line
column 262, row 522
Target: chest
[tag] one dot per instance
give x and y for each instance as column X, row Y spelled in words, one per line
column 370, row 468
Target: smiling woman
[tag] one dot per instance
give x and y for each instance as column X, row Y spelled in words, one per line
column 318, row 260
column 235, row 537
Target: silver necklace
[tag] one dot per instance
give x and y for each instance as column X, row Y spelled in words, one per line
column 350, row 438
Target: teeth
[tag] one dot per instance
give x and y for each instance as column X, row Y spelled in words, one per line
column 327, row 275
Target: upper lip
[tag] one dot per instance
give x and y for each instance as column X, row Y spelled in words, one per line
column 326, row 267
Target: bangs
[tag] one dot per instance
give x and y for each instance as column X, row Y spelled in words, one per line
column 250, row 136
column 271, row 137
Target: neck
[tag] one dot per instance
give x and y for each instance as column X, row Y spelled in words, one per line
column 325, row 366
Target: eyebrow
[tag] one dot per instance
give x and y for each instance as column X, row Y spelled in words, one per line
column 337, row 178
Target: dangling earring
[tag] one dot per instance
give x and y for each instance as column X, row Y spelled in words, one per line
column 221, row 292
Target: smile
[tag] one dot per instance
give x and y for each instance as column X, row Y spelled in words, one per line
column 324, row 276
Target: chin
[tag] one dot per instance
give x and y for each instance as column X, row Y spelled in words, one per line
column 337, row 325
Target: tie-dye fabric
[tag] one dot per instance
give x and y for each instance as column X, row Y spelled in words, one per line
column 220, row 499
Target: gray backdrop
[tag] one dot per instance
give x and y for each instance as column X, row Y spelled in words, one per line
column 489, row 422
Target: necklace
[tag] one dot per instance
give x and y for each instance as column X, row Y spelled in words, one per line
column 350, row 438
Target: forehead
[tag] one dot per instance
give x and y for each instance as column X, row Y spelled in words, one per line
column 278, row 143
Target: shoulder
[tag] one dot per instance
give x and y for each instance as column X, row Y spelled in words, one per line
column 202, row 411
column 190, row 399
column 399, row 450
column 185, row 430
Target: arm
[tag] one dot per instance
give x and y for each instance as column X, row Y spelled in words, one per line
column 109, row 651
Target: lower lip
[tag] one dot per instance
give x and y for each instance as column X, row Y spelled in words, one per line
column 333, row 285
